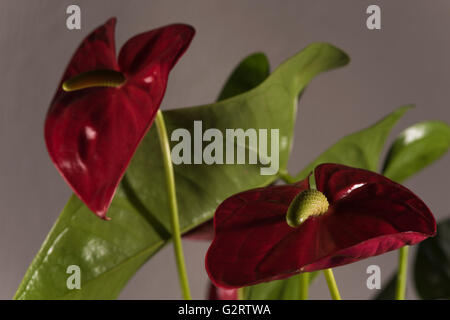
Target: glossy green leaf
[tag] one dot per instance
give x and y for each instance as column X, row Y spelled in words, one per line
column 248, row 74
column 415, row 148
column 362, row 150
column 109, row 253
column 432, row 265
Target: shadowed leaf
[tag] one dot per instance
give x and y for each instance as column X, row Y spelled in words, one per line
column 415, row 148
column 432, row 265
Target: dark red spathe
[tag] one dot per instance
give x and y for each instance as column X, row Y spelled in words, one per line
column 91, row 134
column 368, row 215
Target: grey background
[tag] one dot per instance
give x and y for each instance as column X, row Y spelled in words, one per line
column 406, row 62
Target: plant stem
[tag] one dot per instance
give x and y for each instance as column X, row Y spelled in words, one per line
column 304, row 285
column 331, row 282
column 400, row 290
column 285, row 176
column 174, row 219
column 240, row 293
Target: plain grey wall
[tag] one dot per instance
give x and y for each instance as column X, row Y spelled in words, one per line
column 405, row 62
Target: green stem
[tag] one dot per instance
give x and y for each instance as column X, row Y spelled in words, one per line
column 400, row 290
column 331, row 282
column 304, row 285
column 285, row 176
column 240, row 293
column 174, row 219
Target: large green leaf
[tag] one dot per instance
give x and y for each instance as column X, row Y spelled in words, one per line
column 109, row 253
column 415, row 148
column 361, row 149
column 248, row 74
column 432, row 265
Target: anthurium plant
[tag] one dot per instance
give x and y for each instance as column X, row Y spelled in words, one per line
column 271, row 234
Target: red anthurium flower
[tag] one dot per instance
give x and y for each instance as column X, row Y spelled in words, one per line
column 205, row 232
column 353, row 214
column 104, row 106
